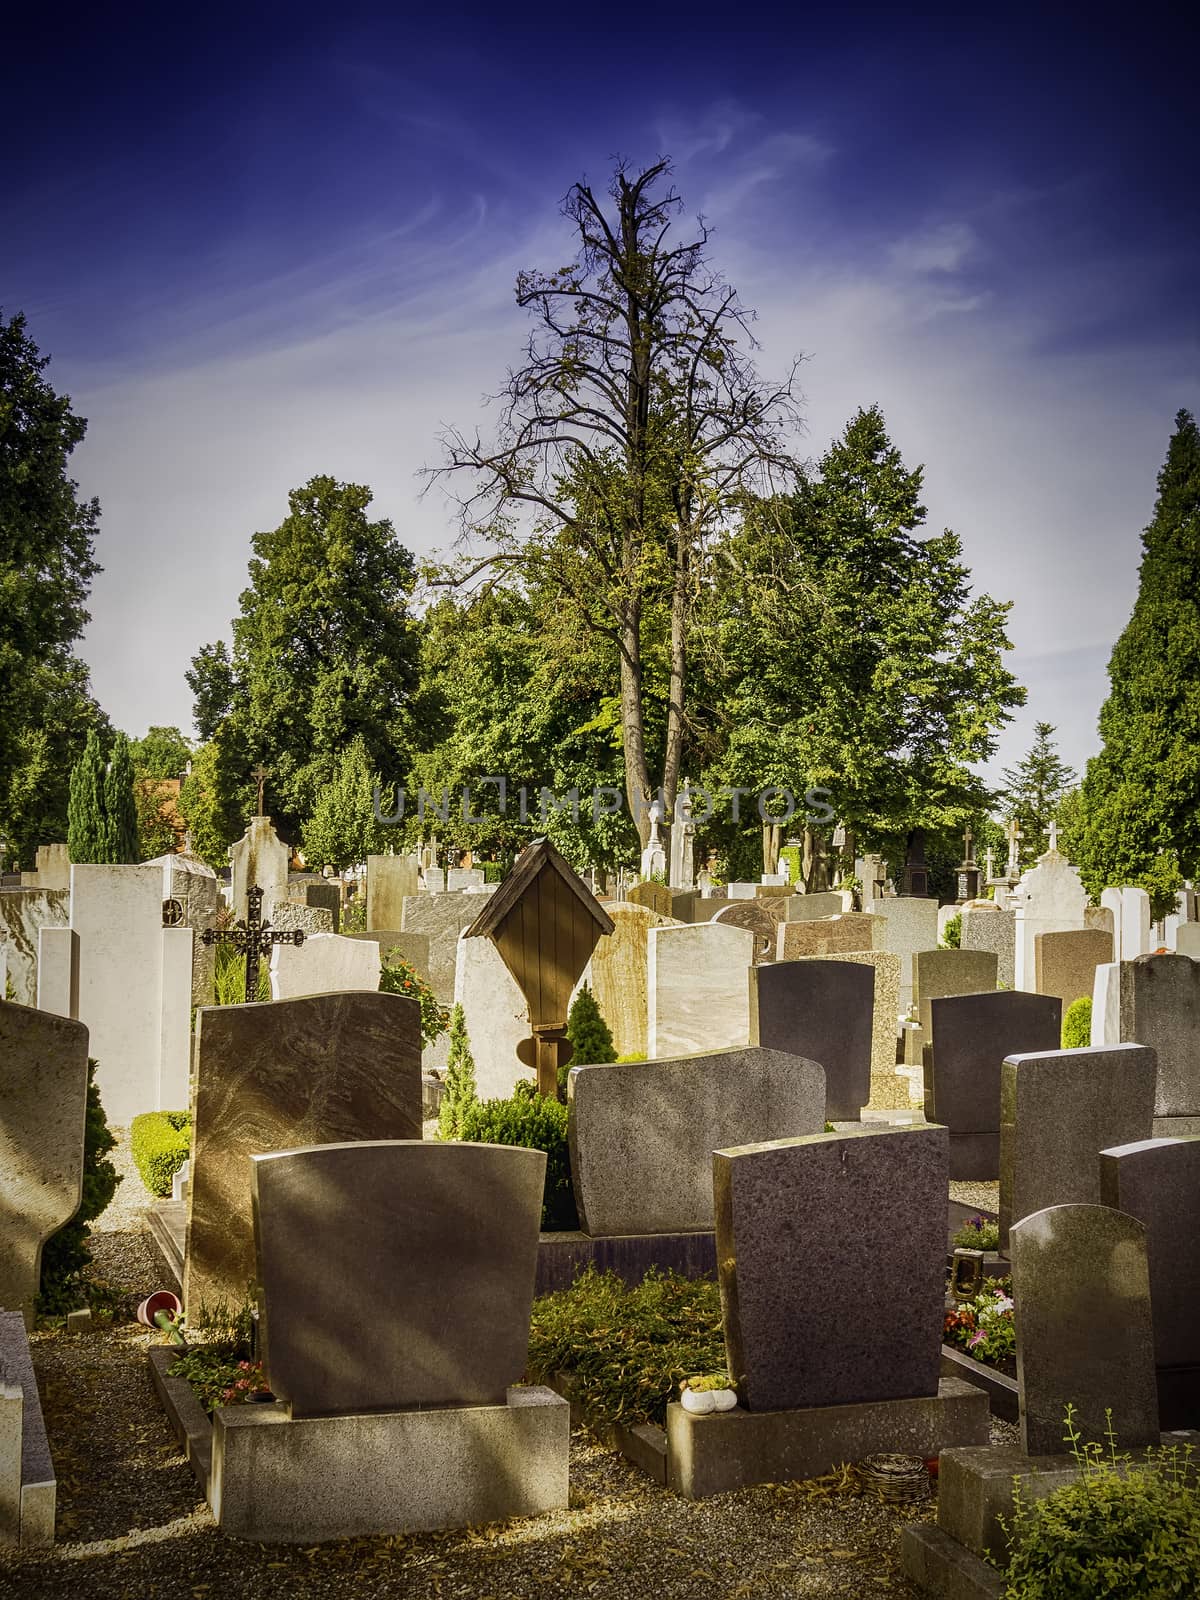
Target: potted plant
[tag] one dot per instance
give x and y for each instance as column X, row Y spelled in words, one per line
column 703, row 1393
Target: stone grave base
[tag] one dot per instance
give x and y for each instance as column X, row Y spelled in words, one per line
column 1176, row 1127
column 735, row 1449
column 28, row 1490
column 1001, row 1390
column 975, row 1491
column 974, row 1157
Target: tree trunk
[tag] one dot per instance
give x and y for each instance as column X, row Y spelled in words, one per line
column 637, row 778
column 673, row 753
column 771, row 840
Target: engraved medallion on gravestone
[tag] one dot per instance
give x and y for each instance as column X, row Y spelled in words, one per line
column 395, row 1275
column 822, row 1010
column 798, row 1257
column 1081, row 1284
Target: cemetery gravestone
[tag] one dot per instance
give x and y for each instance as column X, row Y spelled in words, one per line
column 758, row 918
column 972, row 1034
column 828, row 936
column 43, row 1097
column 1058, row 1110
column 397, row 946
column 991, row 929
column 642, row 1134
column 619, row 974
column 260, row 858
column 1066, row 962
column 822, row 1010
column 1155, row 1001
column 496, row 1016
column 654, row 896
column 1084, row 1334
column 911, row 925
column 323, row 964
column 441, row 918
column 325, row 897
column 52, row 868
column 1049, row 899
column 326, row 1069
column 1187, row 940
column 808, row 907
column 1158, row 1182
column 23, row 914
column 390, row 881
column 1130, row 908
column 28, row 1490
column 698, row 996
column 445, row 1235
column 465, row 878
column 785, row 1291
column 889, row 1089
column 940, row 973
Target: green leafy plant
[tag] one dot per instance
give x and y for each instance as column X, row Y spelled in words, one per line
column 708, row 1383
column 354, row 914
column 160, row 1142
column 627, row 1350
column 634, row 1055
column 460, row 1093
column 65, row 1254
column 1125, row 1530
column 589, row 1034
column 398, row 976
column 985, row 1327
column 539, row 1122
column 978, row 1233
column 1077, row 1025
column 229, row 978
column 952, row 933
column 218, row 1376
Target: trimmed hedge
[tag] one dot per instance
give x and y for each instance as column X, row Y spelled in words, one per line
column 1077, row 1025
column 539, row 1122
column 161, row 1142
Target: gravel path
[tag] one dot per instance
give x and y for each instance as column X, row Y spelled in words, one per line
column 132, row 1526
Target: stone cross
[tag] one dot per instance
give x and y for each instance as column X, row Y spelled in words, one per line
column 1054, row 838
column 968, row 841
column 260, row 774
column 254, row 936
column 1014, row 835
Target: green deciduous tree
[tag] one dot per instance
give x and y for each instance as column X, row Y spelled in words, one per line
column 344, row 828
column 1035, row 790
column 1141, row 794
column 47, row 537
column 214, row 803
column 163, row 753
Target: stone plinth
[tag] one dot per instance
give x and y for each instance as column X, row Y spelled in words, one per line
column 698, row 997
column 276, row 1480
column 643, row 1133
column 822, row 1010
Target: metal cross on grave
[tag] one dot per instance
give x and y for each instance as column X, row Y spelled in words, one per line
column 254, row 937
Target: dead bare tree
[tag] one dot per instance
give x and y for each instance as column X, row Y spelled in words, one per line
column 633, row 425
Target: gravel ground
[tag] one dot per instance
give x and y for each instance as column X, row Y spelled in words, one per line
column 132, row 1526
column 983, row 1196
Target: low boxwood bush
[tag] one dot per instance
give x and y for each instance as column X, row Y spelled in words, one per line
column 1124, row 1531
column 539, row 1122
column 625, row 1350
column 161, row 1142
column 1077, row 1025
column 978, row 1233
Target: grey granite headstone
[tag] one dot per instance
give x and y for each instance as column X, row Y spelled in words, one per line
column 822, row 1010
column 396, row 1275
column 972, row 1034
column 1158, row 1182
column 642, row 1133
column 1160, row 1007
column 806, row 907
column 410, row 947
column 815, row 1313
column 441, row 918
column 43, row 1099
column 993, row 929
column 323, row 1069
column 1084, row 1336
column 1058, row 1110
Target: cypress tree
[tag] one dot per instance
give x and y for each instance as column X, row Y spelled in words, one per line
column 120, row 808
column 1141, row 795
column 460, row 1092
column 86, row 831
column 589, row 1033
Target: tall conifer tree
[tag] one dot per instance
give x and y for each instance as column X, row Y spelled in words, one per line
column 120, row 808
column 86, row 833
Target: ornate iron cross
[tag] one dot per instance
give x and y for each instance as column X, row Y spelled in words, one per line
column 254, row 937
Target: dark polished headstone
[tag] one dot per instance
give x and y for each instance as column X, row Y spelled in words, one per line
column 822, row 1010
column 322, row 1069
column 815, row 1313
column 325, row 897
column 1058, row 1110
column 1158, row 1182
column 971, row 1035
column 1084, row 1336
column 396, row 1275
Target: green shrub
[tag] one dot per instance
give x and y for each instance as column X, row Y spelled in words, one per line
column 493, row 871
column 590, row 1035
column 65, row 1253
column 952, row 933
column 1124, row 1531
column 398, row 976
column 161, row 1142
column 229, row 978
column 539, row 1122
column 978, row 1234
column 634, row 1055
column 626, row 1350
column 1077, row 1025
column 460, row 1092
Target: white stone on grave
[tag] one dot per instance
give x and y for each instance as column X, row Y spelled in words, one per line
column 1131, row 921
column 259, row 857
column 465, row 878
column 496, row 1016
column 654, row 856
column 58, row 971
column 774, row 880
column 434, row 879
column 1050, row 898
column 1106, row 1004
column 325, row 963
column 698, row 988
column 741, row 891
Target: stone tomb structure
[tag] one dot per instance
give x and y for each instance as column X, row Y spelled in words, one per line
column 440, row 918
column 972, row 1034
column 818, row 1383
column 821, row 1010
column 43, row 1100
column 642, row 1133
column 1058, row 1110
column 1155, row 1001
column 698, row 996
column 1158, row 1182
column 28, row 1490
column 326, row 1069
column 419, row 1421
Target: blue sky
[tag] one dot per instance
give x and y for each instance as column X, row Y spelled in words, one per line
column 264, row 244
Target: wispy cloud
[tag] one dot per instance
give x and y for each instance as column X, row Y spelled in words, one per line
column 945, row 247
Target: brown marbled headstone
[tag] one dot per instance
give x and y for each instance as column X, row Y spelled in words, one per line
column 395, row 1275
column 620, row 973
column 759, row 917
column 937, row 973
column 1084, row 1336
column 1065, row 963
column 827, row 936
column 822, row 1010
column 799, row 1261
column 43, row 1100
column 323, row 1069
